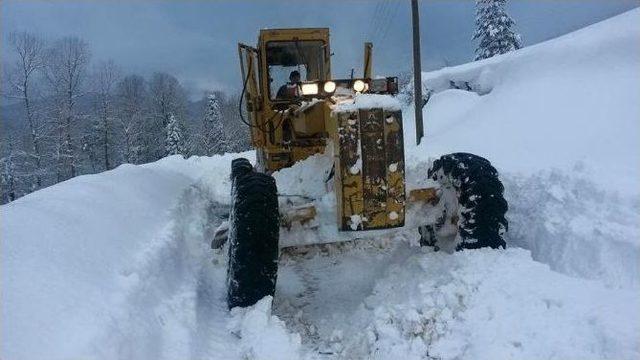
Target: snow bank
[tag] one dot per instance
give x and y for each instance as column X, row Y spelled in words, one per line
column 572, row 100
column 59, row 250
column 488, row 305
column 72, row 253
column 575, row 227
column 561, row 121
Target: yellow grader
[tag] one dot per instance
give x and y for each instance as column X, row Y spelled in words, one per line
column 296, row 109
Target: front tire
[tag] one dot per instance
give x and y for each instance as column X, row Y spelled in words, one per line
column 478, row 215
column 253, row 236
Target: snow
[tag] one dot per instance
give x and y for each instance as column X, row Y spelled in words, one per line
column 599, row 230
column 368, row 101
column 73, row 253
column 547, row 106
column 559, row 120
column 264, row 336
column 118, row 266
column 475, row 311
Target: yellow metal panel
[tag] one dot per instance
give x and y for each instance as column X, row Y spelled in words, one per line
column 427, row 195
column 394, row 146
column 349, row 187
column 306, row 134
column 373, row 167
column 370, row 188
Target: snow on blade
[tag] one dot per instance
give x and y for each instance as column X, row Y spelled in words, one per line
column 368, row 101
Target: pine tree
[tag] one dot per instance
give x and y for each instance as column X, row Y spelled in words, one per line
column 174, row 143
column 494, row 29
column 167, row 97
column 214, row 139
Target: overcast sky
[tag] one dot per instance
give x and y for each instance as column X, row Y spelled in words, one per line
column 196, row 40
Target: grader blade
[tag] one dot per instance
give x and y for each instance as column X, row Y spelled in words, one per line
column 370, row 178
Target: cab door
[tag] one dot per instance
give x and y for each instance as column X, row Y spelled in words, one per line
column 253, row 97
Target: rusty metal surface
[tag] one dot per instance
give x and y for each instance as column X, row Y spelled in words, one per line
column 348, row 178
column 302, row 214
column 428, row 195
column 374, row 172
column 370, row 181
column 394, row 145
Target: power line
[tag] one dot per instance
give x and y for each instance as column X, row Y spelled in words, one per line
column 383, row 21
column 374, row 20
column 391, row 19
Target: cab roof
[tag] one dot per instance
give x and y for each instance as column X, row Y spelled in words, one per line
column 294, row 33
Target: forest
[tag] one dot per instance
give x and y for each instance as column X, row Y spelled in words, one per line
column 66, row 114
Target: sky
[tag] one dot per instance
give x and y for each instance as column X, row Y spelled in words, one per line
column 197, row 40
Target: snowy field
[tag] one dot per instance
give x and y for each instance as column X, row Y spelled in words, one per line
column 118, row 266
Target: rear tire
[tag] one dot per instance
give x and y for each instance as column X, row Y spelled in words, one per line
column 480, row 217
column 253, row 236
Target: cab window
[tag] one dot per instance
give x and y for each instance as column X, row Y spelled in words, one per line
column 284, row 57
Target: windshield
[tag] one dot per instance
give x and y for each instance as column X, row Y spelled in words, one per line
column 286, row 57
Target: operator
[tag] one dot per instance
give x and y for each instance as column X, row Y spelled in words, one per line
column 292, row 88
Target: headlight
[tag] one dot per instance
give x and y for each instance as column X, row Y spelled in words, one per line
column 359, row 85
column 329, row 87
column 310, row 89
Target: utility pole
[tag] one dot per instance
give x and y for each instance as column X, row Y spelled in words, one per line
column 417, row 71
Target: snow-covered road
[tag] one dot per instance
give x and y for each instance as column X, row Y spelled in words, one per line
column 164, row 295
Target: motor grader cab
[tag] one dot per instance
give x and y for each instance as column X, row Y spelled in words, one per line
column 281, row 133
column 295, row 108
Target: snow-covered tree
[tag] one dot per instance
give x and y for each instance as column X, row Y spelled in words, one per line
column 66, row 68
column 237, row 133
column 105, row 78
column 174, row 143
column 29, row 49
column 494, row 29
column 8, row 173
column 167, row 97
column 131, row 97
column 214, row 139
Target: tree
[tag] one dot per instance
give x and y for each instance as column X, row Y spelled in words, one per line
column 214, row 139
column 8, row 173
column 66, row 66
column 237, row 133
column 494, row 29
column 167, row 99
column 131, row 94
column 29, row 50
column 104, row 80
column 174, row 143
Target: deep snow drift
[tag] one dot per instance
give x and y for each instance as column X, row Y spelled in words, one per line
column 118, row 266
column 570, row 103
column 561, row 121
